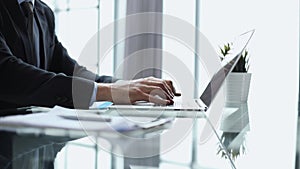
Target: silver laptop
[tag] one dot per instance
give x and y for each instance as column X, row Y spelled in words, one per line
column 211, row 90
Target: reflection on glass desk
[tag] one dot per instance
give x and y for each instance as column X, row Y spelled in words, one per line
column 29, row 151
column 239, row 134
column 38, row 147
column 31, row 144
column 39, row 150
column 234, row 126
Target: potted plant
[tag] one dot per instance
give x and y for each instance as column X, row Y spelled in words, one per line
column 238, row 82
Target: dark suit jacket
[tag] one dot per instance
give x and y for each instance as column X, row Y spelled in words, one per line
column 59, row 80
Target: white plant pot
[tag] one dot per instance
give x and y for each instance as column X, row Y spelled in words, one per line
column 237, row 87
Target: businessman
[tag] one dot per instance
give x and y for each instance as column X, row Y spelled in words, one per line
column 35, row 68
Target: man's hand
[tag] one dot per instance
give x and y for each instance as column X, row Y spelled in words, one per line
column 149, row 89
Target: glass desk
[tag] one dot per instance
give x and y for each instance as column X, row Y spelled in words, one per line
column 37, row 147
column 251, row 139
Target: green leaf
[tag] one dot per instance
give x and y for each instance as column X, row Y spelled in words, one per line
column 223, row 52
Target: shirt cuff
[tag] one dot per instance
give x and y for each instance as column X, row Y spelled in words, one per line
column 93, row 98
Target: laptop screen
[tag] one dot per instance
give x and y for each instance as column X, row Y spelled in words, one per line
column 218, row 79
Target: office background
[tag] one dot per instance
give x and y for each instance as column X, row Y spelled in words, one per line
column 274, row 52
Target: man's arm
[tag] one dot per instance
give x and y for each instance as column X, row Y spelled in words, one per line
column 125, row 93
column 23, row 84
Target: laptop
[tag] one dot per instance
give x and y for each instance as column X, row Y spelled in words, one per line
column 211, row 90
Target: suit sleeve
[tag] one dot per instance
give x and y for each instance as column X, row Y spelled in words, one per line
column 23, row 84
